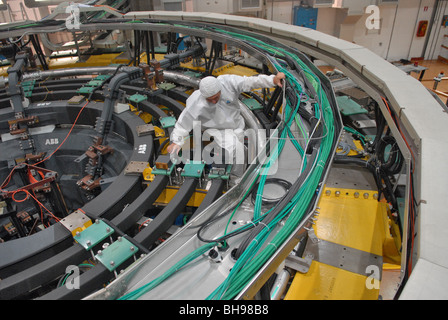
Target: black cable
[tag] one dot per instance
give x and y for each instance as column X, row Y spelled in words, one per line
column 162, row 145
column 378, row 174
column 394, row 162
column 147, row 47
column 89, row 98
column 380, row 124
column 285, row 184
column 207, row 223
column 223, row 214
column 279, row 206
column 257, row 97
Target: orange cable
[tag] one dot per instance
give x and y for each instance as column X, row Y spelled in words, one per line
column 8, row 178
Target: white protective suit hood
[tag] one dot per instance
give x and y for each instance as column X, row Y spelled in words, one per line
column 209, row 86
column 223, row 115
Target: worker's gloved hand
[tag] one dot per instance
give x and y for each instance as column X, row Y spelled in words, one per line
column 173, row 148
column 278, row 79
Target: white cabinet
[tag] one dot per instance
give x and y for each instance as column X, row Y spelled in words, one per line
column 216, row 6
column 355, row 7
column 321, row 3
column 227, row 6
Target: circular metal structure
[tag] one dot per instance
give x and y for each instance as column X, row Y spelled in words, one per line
column 30, row 263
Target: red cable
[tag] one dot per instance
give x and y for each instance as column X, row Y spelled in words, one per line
column 411, row 207
column 60, row 145
column 399, row 129
column 28, row 194
column 8, row 178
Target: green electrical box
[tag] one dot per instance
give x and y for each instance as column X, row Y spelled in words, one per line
column 94, row 234
column 116, row 253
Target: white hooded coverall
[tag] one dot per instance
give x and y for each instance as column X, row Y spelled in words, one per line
column 225, row 114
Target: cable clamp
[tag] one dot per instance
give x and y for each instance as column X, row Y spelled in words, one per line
column 261, row 222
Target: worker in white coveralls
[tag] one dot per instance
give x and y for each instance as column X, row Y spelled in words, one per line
column 215, row 108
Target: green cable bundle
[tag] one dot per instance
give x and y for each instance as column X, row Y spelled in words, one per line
column 258, row 252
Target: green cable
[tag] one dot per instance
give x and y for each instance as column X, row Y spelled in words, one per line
column 179, row 265
column 250, row 262
column 241, row 280
column 249, row 253
column 361, row 137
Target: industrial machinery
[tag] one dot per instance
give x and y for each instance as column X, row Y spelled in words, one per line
column 93, row 207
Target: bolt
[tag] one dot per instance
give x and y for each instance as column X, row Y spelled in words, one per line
column 356, row 194
column 366, row 195
column 112, row 263
column 337, row 193
column 328, row 193
column 132, row 248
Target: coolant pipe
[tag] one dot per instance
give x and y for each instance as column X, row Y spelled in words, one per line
column 176, row 77
column 60, row 73
column 279, row 286
column 180, row 78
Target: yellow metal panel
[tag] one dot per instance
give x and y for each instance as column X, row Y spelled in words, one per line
column 147, row 174
column 87, row 224
column 235, row 69
column 73, row 62
column 352, row 218
column 167, row 195
column 229, row 68
column 324, row 282
column 350, row 221
column 392, row 238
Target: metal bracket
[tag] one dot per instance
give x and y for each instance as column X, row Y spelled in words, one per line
column 135, row 167
column 168, row 122
column 193, row 169
column 145, row 129
column 116, row 253
column 301, row 265
column 340, row 256
column 94, row 234
column 76, row 222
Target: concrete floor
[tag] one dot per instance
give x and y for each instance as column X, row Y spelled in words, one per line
column 434, row 68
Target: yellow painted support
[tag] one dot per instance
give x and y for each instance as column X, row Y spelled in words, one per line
column 93, row 61
column 168, row 194
column 350, row 221
column 229, row 68
column 324, row 282
column 85, row 226
column 355, row 219
column 147, row 174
